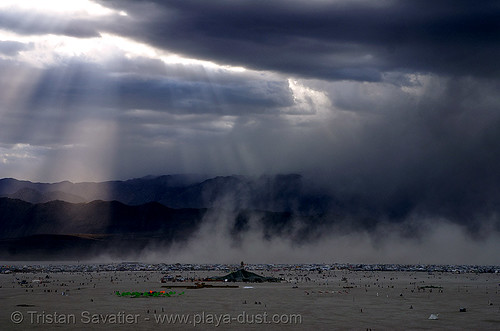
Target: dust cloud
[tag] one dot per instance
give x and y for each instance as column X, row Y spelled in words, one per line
column 437, row 242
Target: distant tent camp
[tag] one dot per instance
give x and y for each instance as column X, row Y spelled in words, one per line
column 243, row 275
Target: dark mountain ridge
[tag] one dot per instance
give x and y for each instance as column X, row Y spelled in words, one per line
column 58, row 229
column 272, row 193
column 19, row 218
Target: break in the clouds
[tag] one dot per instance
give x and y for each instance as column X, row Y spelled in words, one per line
column 393, row 105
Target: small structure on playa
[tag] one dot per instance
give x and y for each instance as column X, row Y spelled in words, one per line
column 243, row 275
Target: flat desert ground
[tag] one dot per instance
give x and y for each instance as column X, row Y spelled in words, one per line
column 329, row 300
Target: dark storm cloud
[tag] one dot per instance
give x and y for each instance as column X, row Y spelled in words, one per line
column 432, row 156
column 326, row 39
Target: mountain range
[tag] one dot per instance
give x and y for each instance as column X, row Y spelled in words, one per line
column 271, row 193
column 81, row 220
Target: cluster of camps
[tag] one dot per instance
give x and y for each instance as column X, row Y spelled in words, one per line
column 240, row 275
column 148, row 294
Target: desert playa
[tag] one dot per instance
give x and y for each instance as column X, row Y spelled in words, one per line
column 132, row 296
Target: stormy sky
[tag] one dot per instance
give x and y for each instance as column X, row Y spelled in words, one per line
column 394, row 104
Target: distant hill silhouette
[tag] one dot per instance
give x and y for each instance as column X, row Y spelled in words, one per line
column 58, row 229
column 21, row 219
column 278, row 193
column 34, row 196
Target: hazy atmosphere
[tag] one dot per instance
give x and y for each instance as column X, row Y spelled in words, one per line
column 389, row 110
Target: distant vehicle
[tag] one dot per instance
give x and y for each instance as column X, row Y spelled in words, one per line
column 167, row 278
column 170, row 278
